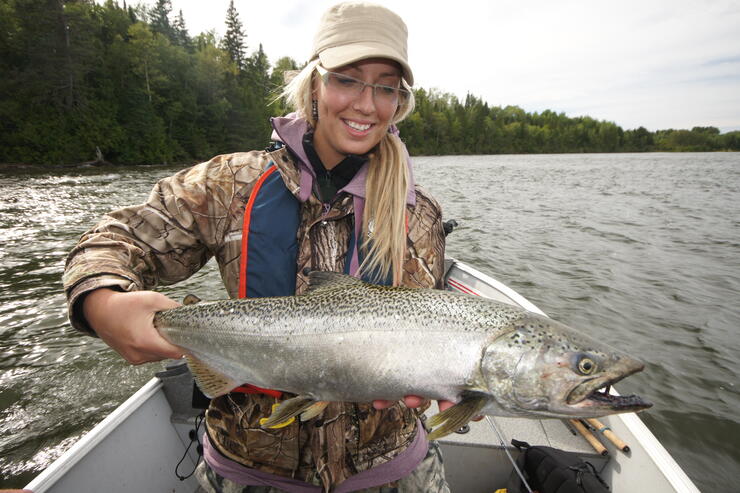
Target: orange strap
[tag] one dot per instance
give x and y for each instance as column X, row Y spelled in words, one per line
column 253, row 389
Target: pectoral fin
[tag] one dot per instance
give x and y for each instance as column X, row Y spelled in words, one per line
column 313, row 411
column 454, row 418
column 289, row 409
column 263, row 421
column 211, row 382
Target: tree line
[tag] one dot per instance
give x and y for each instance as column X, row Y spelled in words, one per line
column 133, row 83
column 442, row 124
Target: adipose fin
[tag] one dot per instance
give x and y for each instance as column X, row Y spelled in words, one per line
column 191, row 299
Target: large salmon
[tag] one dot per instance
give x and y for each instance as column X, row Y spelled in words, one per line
column 346, row 340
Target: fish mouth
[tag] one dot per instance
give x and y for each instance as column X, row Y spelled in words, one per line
column 596, row 395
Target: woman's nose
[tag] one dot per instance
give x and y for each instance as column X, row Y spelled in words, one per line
column 365, row 101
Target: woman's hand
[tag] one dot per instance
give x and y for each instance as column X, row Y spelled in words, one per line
column 124, row 321
column 411, row 401
column 416, row 401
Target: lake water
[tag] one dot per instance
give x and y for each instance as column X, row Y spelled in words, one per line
column 641, row 250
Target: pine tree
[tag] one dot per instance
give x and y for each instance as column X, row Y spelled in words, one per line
column 159, row 19
column 182, row 38
column 233, row 42
column 259, row 72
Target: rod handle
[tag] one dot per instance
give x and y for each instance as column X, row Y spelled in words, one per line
column 590, row 438
column 609, row 434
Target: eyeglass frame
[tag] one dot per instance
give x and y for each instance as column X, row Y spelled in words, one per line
column 402, row 94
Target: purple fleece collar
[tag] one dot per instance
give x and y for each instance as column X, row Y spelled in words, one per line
column 290, row 130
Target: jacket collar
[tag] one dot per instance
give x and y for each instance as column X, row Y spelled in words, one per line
column 290, row 130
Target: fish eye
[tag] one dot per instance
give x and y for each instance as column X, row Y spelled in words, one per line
column 586, row 366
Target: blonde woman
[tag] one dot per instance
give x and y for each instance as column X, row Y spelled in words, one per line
column 334, row 193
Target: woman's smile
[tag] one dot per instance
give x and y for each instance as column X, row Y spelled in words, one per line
column 357, row 127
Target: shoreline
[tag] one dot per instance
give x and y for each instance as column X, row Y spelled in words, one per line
column 107, row 164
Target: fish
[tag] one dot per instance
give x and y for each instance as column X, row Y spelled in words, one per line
column 345, row 340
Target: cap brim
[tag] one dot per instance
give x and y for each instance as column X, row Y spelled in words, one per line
column 339, row 56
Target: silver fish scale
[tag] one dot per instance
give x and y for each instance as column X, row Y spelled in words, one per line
column 423, row 309
column 350, row 341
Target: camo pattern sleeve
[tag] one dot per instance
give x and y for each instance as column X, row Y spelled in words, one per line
column 424, row 266
column 166, row 239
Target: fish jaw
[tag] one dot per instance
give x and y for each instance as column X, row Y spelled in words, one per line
column 593, row 398
column 543, row 369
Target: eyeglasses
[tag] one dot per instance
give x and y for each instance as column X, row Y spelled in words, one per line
column 352, row 88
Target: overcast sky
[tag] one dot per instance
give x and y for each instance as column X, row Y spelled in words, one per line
column 653, row 63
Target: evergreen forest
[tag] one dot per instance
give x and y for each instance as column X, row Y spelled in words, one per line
column 131, row 85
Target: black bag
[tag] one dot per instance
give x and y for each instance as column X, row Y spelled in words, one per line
column 549, row 470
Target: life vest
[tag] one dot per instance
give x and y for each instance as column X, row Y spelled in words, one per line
column 269, row 243
column 268, row 264
column 269, row 246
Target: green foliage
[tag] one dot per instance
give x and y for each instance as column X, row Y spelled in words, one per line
column 80, row 76
column 443, row 125
column 131, row 81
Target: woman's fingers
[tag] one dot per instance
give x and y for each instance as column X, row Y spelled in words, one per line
column 124, row 321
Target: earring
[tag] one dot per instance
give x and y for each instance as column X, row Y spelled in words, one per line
column 315, row 110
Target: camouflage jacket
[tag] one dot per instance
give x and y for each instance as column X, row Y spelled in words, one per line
column 197, row 214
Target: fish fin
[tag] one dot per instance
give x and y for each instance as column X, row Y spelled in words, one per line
column 263, row 421
column 313, row 411
column 453, row 418
column 211, row 382
column 321, row 281
column 190, row 299
column 288, row 409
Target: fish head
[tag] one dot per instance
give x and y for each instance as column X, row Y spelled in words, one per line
column 544, row 368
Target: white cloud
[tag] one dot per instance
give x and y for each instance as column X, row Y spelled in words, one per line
column 659, row 64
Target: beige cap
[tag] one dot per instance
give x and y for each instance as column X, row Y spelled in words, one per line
column 353, row 31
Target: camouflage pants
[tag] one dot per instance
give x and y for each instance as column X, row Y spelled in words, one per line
column 428, row 477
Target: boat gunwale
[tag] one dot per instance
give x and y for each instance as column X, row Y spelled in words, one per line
column 82, row 447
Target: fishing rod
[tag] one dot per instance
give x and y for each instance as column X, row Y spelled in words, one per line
column 508, row 454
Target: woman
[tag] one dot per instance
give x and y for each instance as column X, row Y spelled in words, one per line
column 334, row 194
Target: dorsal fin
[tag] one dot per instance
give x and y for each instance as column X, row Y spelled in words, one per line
column 321, row 281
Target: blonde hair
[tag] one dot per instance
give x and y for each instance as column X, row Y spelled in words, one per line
column 384, row 217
